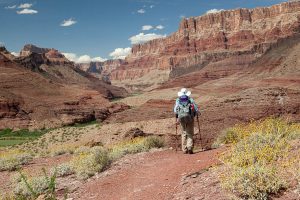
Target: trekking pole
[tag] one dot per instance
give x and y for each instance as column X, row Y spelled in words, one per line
column 176, row 143
column 199, row 131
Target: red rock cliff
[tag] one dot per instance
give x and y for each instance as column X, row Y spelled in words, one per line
column 211, row 38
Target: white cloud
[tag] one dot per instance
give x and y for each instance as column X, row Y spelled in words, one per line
column 142, row 38
column 120, row 53
column 152, row 6
column 11, row 7
column 27, row 11
column 141, row 11
column 15, row 53
column 147, row 27
column 68, row 22
column 71, row 56
column 160, row 27
column 88, row 59
column 25, row 5
column 98, row 59
column 82, row 59
column 214, row 11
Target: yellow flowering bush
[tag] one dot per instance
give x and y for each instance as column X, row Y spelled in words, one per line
column 261, row 158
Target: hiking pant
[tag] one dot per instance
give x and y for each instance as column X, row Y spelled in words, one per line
column 187, row 142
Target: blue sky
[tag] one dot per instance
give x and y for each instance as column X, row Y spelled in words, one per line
column 96, row 28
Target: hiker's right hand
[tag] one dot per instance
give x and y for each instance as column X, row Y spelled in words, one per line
column 177, row 121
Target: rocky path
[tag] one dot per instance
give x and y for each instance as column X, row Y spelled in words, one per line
column 156, row 175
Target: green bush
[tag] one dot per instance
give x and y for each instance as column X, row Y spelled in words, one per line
column 8, row 137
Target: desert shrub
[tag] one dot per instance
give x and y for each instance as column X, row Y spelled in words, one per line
column 127, row 147
column 258, row 148
column 254, row 182
column 11, row 160
column 154, row 142
column 88, row 161
column 62, row 170
column 63, row 149
column 31, row 188
column 135, row 145
column 8, row 197
column 258, row 162
column 270, row 126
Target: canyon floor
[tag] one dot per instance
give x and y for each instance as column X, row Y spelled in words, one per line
column 246, row 81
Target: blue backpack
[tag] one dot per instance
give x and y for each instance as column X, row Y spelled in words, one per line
column 184, row 110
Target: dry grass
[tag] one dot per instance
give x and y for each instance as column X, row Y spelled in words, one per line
column 13, row 159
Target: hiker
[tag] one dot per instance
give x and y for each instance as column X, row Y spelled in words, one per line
column 185, row 110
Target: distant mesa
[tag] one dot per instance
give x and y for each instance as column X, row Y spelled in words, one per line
column 30, row 48
column 52, row 54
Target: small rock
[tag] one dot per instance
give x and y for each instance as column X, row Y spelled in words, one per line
column 41, row 197
column 194, row 176
column 183, row 183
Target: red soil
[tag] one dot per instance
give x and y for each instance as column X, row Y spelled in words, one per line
column 155, row 175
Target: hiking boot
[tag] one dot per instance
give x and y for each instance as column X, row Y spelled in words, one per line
column 190, row 151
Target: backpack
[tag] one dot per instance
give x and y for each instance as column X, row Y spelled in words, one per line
column 184, row 111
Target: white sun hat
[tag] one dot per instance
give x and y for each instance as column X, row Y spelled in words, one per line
column 184, row 91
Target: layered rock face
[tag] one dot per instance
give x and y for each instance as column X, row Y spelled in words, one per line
column 51, row 54
column 101, row 70
column 42, row 90
column 30, row 48
column 237, row 37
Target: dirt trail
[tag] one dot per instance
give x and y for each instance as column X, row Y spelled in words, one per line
column 156, row 175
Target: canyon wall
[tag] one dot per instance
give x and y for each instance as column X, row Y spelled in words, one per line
column 237, row 37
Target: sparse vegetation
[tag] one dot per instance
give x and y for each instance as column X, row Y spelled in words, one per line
column 62, row 170
column 85, row 162
column 88, row 161
column 261, row 159
column 31, row 188
column 82, row 125
column 135, row 146
column 9, row 137
column 11, row 160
